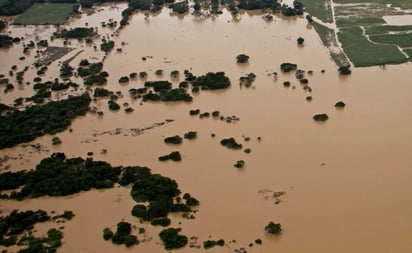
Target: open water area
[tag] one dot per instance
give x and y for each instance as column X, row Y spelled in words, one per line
column 346, row 181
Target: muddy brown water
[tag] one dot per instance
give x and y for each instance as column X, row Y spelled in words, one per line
column 347, row 181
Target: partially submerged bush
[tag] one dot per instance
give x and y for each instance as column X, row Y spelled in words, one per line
column 231, row 143
column 273, row 228
column 173, row 139
column 321, row 117
column 242, row 58
column 287, row 67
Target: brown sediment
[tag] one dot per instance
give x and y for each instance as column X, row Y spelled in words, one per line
column 347, row 181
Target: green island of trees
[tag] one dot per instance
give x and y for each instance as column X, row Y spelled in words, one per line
column 212, row 243
column 16, row 229
column 20, row 126
column 273, row 228
column 58, row 176
column 122, row 235
column 231, row 143
column 172, row 239
column 320, row 117
column 76, row 33
column 174, row 156
column 212, row 81
column 173, row 139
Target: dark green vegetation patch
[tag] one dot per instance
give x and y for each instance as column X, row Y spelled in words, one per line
column 58, row 176
column 20, row 126
column 172, row 239
column 17, row 227
column 46, row 14
column 366, row 38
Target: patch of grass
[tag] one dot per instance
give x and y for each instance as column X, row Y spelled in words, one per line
column 363, row 53
column 351, row 21
column 402, row 40
column 408, row 52
column 45, row 14
column 321, row 9
column 385, row 29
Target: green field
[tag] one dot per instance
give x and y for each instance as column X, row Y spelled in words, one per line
column 363, row 34
column 364, row 53
column 321, row 9
column 45, row 14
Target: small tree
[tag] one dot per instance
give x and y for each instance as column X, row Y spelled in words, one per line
column 242, row 58
column 273, row 228
column 300, row 40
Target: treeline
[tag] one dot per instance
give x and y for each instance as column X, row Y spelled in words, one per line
column 23, row 126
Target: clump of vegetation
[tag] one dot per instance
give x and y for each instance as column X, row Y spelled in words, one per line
column 247, row 80
column 172, row 239
column 107, row 46
column 5, row 41
column 212, row 81
column 164, row 222
column 194, row 112
column 53, row 117
column 159, row 85
column 174, row 74
column 300, row 41
column 58, row 176
column 113, row 105
column 239, row 164
column 286, row 83
column 340, row 104
column 345, row 70
column 139, row 211
column 231, row 143
column 174, row 156
column 56, row 140
column 180, row 7
column 242, row 58
column 321, row 117
column 190, row 135
column 159, row 72
column 18, row 223
column 122, row 235
column 76, row 33
column 132, row 174
column 211, row 243
column 66, row 70
column 173, row 139
column 101, row 92
column 190, row 201
column 124, row 79
column 273, row 228
column 288, row 67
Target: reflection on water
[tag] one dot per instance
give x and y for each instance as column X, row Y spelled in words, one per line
column 346, row 181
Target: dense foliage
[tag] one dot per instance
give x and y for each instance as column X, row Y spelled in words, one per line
column 287, row 67
column 20, row 126
column 16, row 229
column 212, row 81
column 273, row 228
column 174, row 156
column 320, row 117
column 5, row 41
column 231, row 143
column 76, row 33
column 173, row 139
column 172, row 240
column 58, row 176
column 212, row 243
column 107, row 46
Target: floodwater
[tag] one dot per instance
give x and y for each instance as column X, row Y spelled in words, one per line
column 347, row 181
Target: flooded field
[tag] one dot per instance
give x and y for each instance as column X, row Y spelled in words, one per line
column 347, row 180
